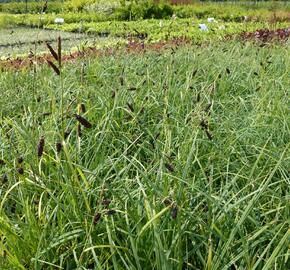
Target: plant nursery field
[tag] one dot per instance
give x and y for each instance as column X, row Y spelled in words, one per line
column 141, row 135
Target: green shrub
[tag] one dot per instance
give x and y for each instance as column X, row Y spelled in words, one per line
column 103, row 7
column 78, row 5
column 144, row 10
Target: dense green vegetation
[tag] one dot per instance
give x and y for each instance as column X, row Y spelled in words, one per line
column 155, row 30
column 184, row 163
column 31, row 7
column 170, row 150
column 152, row 30
column 163, row 21
column 114, row 10
column 148, row 31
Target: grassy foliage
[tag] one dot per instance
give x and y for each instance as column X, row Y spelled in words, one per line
column 185, row 166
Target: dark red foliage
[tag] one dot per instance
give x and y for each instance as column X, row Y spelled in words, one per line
column 266, row 35
column 133, row 46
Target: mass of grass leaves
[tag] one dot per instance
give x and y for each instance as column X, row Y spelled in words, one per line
column 185, row 164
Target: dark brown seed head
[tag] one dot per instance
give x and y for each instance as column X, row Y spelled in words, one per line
column 4, row 178
column 194, row 73
column 59, row 51
column 82, row 108
column 113, row 94
column 198, row 97
column 167, row 201
column 106, row 202
column 20, row 170
column 122, row 80
column 46, row 114
column 52, row 51
column 66, row 134
column 20, row 160
column 130, row 106
column 58, row 147
column 111, row 212
column 188, row 119
column 40, row 147
column 2, row 162
column 142, row 110
column 79, row 130
column 36, row 202
column 97, row 217
column 132, row 88
column 84, row 122
column 169, row 167
column 204, row 124
column 54, row 67
column 174, row 212
column 209, row 135
column 208, row 107
column 228, row 71
column 157, row 136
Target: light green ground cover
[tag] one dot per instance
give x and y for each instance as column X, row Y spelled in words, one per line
column 21, row 41
column 157, row 30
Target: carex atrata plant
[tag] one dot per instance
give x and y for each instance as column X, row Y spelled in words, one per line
column 56, row 66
